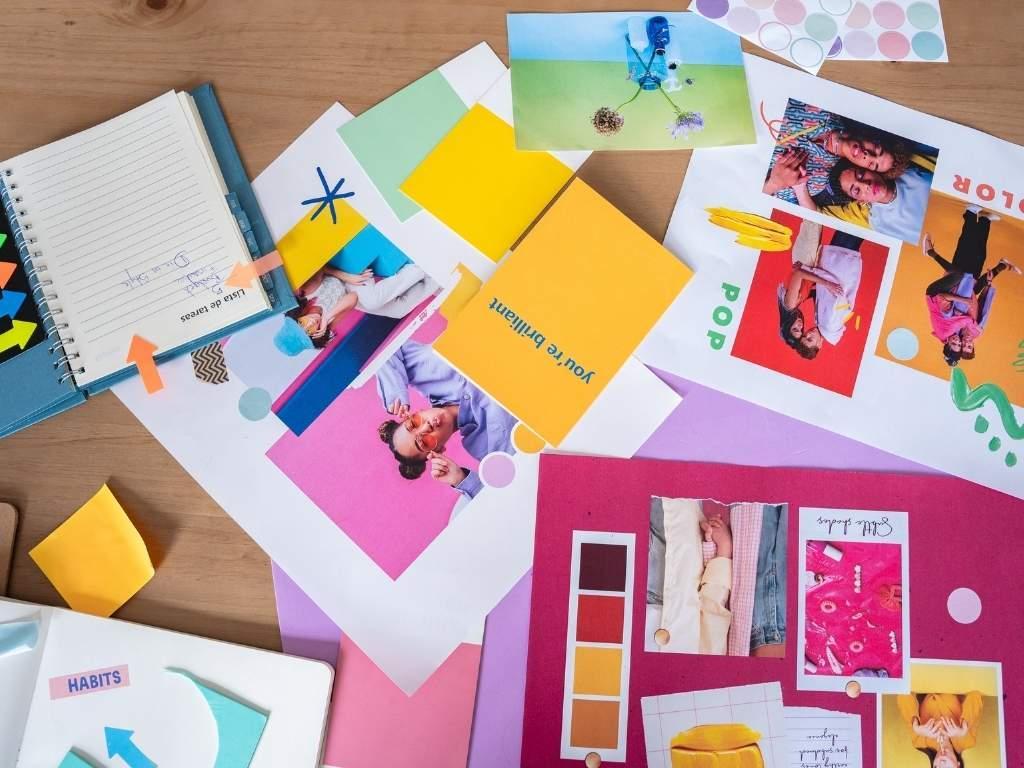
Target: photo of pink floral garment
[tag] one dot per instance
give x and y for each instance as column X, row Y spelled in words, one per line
column 854, row 617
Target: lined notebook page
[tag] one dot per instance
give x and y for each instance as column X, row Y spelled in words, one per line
column 134, row 231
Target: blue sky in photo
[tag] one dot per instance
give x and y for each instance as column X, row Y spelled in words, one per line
column 601, row 37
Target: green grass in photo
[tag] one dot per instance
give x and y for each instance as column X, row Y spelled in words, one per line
column 555, row 101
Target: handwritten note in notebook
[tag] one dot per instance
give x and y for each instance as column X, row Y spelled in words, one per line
column 129, row 228
column 820, row 738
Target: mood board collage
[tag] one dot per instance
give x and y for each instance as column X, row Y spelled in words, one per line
column 542, row 490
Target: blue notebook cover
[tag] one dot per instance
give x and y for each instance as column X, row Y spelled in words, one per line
column 34, row 380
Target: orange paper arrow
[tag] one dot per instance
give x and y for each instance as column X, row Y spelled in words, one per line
column 242, row 275
column 6, row 270
column 140, row 352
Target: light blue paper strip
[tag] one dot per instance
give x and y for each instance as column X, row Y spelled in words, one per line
column 18, row 636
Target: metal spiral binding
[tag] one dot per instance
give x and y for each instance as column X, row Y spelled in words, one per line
column 35, row 271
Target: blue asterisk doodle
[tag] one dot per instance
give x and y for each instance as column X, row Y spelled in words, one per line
column 330, row 195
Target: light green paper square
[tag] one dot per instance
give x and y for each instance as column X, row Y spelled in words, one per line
column 392, row 139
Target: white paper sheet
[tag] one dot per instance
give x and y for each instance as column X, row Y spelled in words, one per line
column 894, row 406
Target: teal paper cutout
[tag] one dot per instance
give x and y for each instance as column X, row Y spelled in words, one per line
column 74, row 760
column 239, row 725
column 18, row 637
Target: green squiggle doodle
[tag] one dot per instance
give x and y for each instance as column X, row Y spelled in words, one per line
column 967, row 399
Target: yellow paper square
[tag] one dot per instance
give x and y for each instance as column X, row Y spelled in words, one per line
column 313, row 242
column 586, row 286
column 481, row 186
column 597, row 671
column 95, row 559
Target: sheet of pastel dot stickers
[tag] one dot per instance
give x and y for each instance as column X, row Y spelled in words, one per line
column 802, row 31
column 892, row 30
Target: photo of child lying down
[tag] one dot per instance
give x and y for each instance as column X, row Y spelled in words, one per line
column 857, row 173
column 716, row 580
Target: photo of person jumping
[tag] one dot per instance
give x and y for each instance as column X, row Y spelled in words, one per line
column 960, row 302
column 854, row 172
column 417, row 439
column 821, row 293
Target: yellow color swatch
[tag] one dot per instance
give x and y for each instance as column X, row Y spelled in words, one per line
column 95, row 559
column 561, row 315
column 597, row 671
column 481, row 186
column 313, row 242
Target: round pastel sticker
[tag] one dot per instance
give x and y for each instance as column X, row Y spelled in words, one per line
column 964, row 605
column 902, row 344
column 923, row 15
column 790, row 11
column 774, row 36
column 889, row 15
column 254, row 404
column 836, row 7
column 806, row 52
column 821, row 27
column 497, row 470
column 713, row 9
column 859, row 17
column 859, row 44
column 742, row 21
column 893, row 45
column 928, row 46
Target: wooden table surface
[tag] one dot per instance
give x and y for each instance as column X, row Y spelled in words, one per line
column 277, row 64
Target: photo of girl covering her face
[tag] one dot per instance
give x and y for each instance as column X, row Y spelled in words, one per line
column 858, row 173
column 952, row 717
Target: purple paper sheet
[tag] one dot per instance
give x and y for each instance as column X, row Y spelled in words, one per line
column 305, row 629
column 708, row 426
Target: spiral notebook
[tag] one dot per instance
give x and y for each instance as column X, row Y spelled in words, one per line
column 127, row 228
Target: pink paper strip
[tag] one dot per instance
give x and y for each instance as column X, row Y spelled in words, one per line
column 93, row 681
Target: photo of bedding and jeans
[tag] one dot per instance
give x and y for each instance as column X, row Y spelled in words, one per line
column 716, row 578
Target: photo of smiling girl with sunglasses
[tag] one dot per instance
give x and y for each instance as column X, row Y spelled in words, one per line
column 417, row 439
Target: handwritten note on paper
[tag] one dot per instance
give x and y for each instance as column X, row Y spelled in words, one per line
column 820, row 738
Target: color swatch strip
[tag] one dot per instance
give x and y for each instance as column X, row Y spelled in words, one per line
column 595, row 706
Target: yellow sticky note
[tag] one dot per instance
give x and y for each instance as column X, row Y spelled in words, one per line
column 561, row 315
column 313, row 242
column 481, row 186
column 96, row 559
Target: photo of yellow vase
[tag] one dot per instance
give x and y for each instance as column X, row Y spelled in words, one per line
column 730, row 745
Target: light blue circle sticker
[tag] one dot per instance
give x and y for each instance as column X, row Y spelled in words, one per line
column 928, row 46
column 254, row 404
column 902, row 344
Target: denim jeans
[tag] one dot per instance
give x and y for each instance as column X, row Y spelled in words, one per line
column 769, row 624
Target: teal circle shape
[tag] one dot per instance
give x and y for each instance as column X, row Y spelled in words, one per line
column 902, row 344
column 254, row 404
column 821, row 27
column 923, row 15
column 928, row 46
